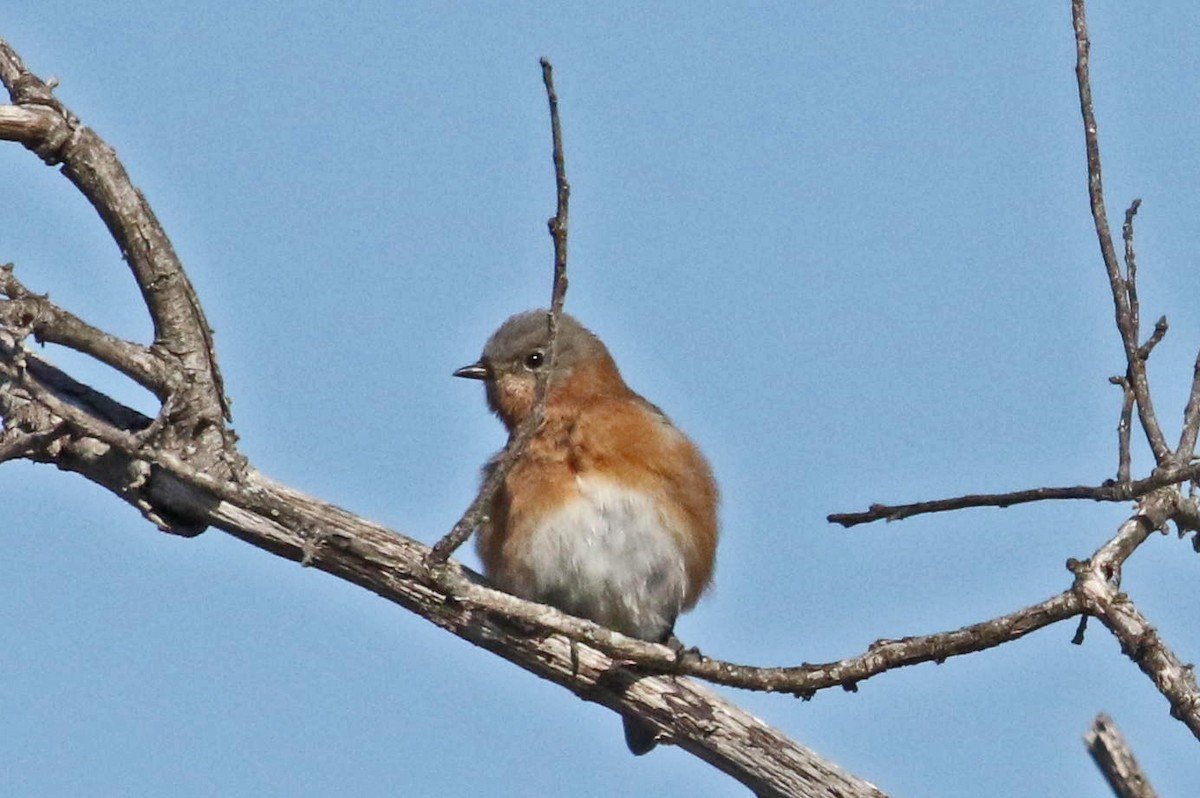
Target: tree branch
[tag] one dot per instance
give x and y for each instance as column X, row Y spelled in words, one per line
column 152, row 463
column 182, row 470
column 497, row 470
column 1107, row 492
column 1134, row 384
column 181, row 333
column 1191, row 419
column 1124, row 303
column 1124, row 425
column 1114, row 756
column 885, row 655
column 1097, row 581
column 558, row 223
column 48, row 323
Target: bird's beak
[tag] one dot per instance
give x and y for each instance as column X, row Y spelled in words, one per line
column 475, row 371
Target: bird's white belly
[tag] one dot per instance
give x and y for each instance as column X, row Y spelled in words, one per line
column 608, row 555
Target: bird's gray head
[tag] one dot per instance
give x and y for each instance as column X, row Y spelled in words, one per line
column 520, row 349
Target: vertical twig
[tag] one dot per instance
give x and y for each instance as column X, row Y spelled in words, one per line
column 558, row 224
column 1127, row 322
column 517, row 442
column 1191, row 419
column 1135, row 312
column 1123, row 427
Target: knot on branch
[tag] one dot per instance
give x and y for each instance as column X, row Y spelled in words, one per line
column 29, row 89
column 56, row 124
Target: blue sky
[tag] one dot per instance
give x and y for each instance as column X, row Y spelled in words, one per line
column 846, row 246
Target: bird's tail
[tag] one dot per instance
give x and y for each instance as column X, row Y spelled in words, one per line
column 640, row 736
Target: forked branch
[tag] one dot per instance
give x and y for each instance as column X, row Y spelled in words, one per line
column 1159, row 494
column 182, row 469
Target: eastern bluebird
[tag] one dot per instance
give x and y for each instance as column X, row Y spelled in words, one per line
column 611, row 512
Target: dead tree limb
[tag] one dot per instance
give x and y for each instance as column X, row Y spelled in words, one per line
column 183, row 471
column 1114, row 756
column 1160, row 494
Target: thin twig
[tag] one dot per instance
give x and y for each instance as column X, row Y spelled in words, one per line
column 476, row 511
column 1108, row 492
column 1160, row 330
column 51, row 324
column 1127, row 323
column 1135, row 312
column 1191, row 419
column 498, row 470
column 1114, row 756
column 558, row 224
column 801, row 680
column 886, row 655
column 1124, row 463
column 1134, row 383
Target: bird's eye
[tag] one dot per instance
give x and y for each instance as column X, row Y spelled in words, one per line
column 534, row 360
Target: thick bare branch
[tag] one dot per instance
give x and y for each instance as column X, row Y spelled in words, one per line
column 396, row 568
column 55, row 419
column 32, row 379
column 40, row 129
column 302, row 529
column 459, row 587
column 51, row 418
column 40, row 122
column 1141, row 642
column 297, row 527
column 1114, row 756
column 1124, row 425
column 17, row 444
column 180, row 367
column 1097, row 583
column 84, row 430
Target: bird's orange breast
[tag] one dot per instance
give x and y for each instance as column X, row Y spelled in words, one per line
column 616, row 436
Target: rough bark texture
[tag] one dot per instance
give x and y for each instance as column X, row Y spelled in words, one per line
column 183, row 471
column 1116, row 761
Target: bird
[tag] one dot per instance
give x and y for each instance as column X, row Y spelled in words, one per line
column 610, row 513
